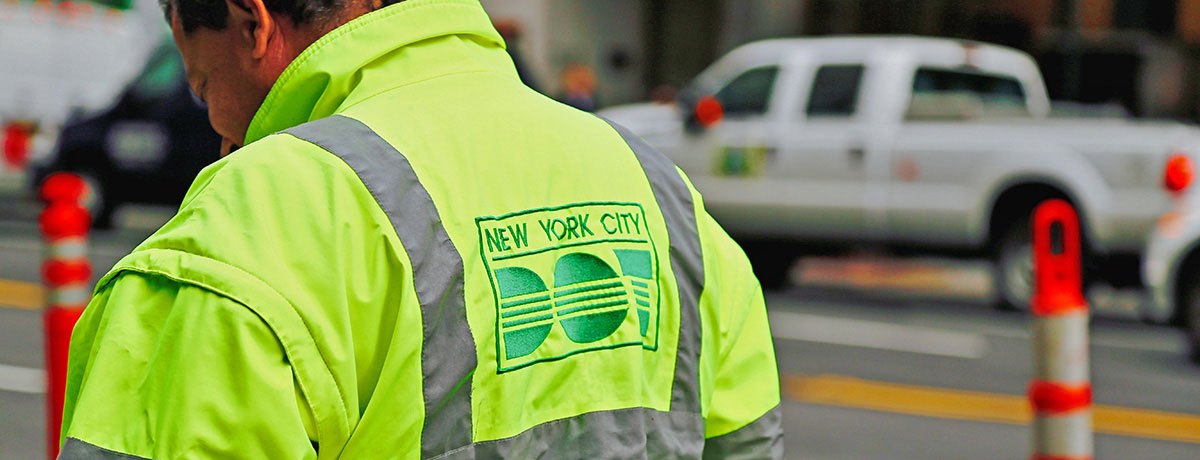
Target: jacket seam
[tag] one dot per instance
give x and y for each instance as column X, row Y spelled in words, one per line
column 345, row 411
column 200, row 196
column 270, row 324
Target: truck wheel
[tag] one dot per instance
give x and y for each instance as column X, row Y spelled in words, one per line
column 772, row 263
column 1012, row 267
column 1189, row 306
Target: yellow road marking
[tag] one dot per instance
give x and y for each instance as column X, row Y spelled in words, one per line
column 15, row 294
column 1147, row 424
column 843, row 391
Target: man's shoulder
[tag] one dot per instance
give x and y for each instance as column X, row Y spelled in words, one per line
column 271, row 157
column 272, row 200
column 275, row 168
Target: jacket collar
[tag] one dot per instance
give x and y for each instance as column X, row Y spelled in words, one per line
column 408, row 42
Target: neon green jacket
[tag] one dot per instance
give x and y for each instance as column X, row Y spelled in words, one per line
column 415, row 256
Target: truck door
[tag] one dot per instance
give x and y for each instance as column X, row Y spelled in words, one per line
column 821, row 168
column 957, row 124
column 771, row 174
column 734, row 172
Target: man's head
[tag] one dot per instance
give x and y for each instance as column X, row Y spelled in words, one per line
column 234, row 50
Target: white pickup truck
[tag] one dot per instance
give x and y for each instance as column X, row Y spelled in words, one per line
column 910, row 143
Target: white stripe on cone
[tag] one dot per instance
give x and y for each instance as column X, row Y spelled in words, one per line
column 1063, row 344
column 67, row 248
column 78, row 294
column 1067, row 435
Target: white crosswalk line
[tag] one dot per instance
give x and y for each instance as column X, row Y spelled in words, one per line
column 871, row 334
column 22, row 379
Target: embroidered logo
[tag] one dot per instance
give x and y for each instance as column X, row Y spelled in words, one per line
column 570, row 280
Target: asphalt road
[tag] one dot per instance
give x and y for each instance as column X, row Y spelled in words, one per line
column 880, row 359
column 968, row 347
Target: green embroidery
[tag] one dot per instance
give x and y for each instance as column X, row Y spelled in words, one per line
column 515, row 281
column 601, row 262
column 567, row 292
column 567, row 311
column 526, row 301
column 523, row 311
column 589, row 297
column 635, row 263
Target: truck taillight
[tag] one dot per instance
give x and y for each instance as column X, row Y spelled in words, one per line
column 1179, row 174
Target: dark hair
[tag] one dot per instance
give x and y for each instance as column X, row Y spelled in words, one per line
column 213, row 14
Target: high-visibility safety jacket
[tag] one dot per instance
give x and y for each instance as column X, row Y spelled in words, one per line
column 415, row 256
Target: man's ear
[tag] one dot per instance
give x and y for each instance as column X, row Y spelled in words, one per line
column 254, row 22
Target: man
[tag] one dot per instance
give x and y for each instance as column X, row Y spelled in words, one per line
column 415, row 256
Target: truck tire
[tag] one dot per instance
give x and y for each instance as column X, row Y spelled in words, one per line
column 1189, row 307
column 1012, row 267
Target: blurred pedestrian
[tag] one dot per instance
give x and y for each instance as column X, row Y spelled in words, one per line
column 510, row 30
column 664, row 94
column 413, row 255
column 579, row 86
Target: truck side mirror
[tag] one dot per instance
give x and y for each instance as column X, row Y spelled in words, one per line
column 709, row 111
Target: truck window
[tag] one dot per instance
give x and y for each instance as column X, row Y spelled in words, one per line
column 959, row 94
column 749, row 93
column 835, row 91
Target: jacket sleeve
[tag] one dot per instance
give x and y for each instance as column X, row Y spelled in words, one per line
column 161, row 369
column 742, row 418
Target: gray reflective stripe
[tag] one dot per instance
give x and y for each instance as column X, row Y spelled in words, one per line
column 75, row 449
column 761, row 439
column 448, row 350
column 675, row 200
column 636, row 433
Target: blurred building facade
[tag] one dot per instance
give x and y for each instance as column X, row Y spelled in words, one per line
column 1140, row 55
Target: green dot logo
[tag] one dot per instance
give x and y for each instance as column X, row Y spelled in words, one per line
column 589, row 291
column 524, row 312
column 570, row 289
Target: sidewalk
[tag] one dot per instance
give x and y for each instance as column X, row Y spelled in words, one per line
column 935, row 278
column 970, row 280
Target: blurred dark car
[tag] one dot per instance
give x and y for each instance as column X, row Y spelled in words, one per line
column 146, row 148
